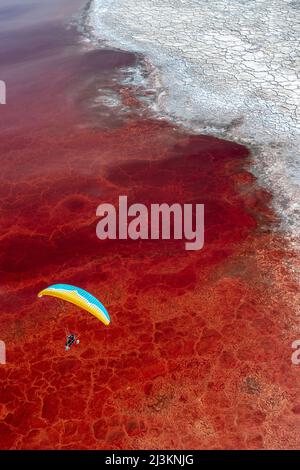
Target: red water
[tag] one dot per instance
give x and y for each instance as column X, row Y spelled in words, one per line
column 198, row 354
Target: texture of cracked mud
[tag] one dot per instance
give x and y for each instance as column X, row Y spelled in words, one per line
column 224, row 67
column 199, row 341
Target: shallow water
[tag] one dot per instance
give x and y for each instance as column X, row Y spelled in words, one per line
column 198, row 341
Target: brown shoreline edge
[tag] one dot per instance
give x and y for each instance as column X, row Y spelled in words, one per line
column 198, row 354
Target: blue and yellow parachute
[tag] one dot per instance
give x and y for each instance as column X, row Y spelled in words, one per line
column 79, row 297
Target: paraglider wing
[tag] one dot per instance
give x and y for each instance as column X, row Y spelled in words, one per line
column 79, row 297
